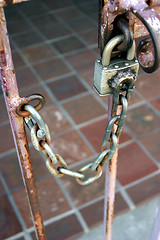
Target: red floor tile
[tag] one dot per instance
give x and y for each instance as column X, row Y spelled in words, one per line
column 142, row 120
column 82, row 60
column 134, row 99
column 84, row 109
column 133, row 164
column 69, row 44
column 17, row 60
column 145, row 191
column 55, row 120
column 88, row 74
column 31, row 8
column 95, row 133
column 71, row 13
column 55, row 31
column 52, row 200
column 90, row 36
column 1, row 187
column 27, row 39
column 71, row 147
column 93, row 214
column 12, row 14
column 18, row 26
column 9, row 223
column 11, row 170
column 156, row 103
column 67, row 228
column 4, row 116
column 152, row 143
column 120, row 205
column 6, row 135
column 83, row 194
column 124, row 137
column 67, row 87
column 56, row 4
column 44, row 20
column 149, row 85
column 38, row 53
column 25, row 77
column 81, row 24
column 51, row 69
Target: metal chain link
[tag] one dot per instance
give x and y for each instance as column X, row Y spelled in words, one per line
column 40, row 137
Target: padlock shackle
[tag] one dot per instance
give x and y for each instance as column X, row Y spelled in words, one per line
column 106, row 57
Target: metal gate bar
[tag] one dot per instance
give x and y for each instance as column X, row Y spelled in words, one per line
column 12, row 99
column 110, row 185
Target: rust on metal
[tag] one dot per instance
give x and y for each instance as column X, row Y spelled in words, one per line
column 112, row 9
column 153, row 3
column 110, row 183
column 12, row 99
column 4, row 3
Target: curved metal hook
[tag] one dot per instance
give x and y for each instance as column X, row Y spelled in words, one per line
column 152, row 22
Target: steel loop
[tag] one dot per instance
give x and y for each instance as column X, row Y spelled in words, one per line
column 54, row 171
column 108, row 131
column 112, row 150
column 38, row 119
column 35, row 140
column 23, row 113
column 99, row 159
column 90, row 179
column 29, row 122
column 123, row 115
column 48, row 152
column 71, row 173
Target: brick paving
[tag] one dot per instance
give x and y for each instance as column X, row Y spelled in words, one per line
column 54, row 46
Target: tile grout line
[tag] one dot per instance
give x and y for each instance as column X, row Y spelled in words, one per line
column 54, row 99
column 149, row 104
column 72, row 68
column 78, row 214
column 143, row 148
column 17, row 236
column 125, row 196
column 14, row 206
column 53, row 219
column 91, row 202
column 81, row 220
column 142, row 179
column 65, row 61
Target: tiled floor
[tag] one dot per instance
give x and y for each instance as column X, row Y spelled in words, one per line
column 54, row 46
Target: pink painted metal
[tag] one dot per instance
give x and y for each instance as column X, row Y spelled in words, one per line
column 110, row 183
column 12, row 99
column 156, row 227
column 110, row 9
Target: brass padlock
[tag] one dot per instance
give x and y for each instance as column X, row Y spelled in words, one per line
column 115, row 75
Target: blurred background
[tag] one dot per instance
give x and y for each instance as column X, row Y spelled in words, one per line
column 54, row 47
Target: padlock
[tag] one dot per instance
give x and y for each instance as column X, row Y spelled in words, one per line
column 115, row 75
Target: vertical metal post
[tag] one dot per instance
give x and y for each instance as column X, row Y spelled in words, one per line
column 110, row 185
column 156, row 227
column 12, row 99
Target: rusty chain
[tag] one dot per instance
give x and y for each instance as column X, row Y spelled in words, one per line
column 40, row 137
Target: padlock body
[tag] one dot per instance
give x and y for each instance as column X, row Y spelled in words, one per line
column 105, row 77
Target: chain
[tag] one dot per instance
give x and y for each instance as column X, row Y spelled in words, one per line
column 40, row 137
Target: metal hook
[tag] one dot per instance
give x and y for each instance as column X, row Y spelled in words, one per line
column 151, row 21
